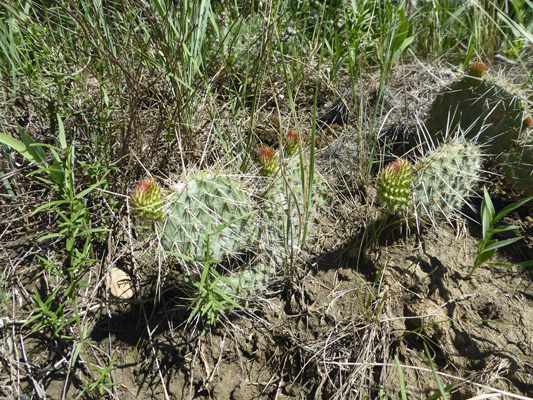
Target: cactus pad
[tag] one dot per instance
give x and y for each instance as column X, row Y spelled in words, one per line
column 444, row 180
column 208, row 205
column 487, row 112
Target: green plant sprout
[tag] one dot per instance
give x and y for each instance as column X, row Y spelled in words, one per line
column 488, row 246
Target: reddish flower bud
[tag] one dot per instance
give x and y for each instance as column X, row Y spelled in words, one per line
column 477, row 69
column 292, row 142
column 267, row 160
column 146, row 199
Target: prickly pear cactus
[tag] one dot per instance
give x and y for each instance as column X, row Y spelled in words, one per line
column 445, row 179
column 487, row 111
column 247, row 282
column 435, row 188
column 147, row 199
column 517, row 166
column 287, row 203
column 208, row 205
column 394, row 185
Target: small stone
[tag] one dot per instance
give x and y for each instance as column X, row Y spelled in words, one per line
column 120, row 284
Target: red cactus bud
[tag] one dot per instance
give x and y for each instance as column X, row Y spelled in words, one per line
column 267, row 159
column 527, row 123
column 394, row 184
column 292, row 142
column 477, row 69
column 146, row 199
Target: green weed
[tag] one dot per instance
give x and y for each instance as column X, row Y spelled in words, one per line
column 488, row 246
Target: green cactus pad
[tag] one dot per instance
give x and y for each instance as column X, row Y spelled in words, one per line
column 213, row 205
column 517, row 166
column 247, row 282
column 444, row 180
column 286, row 200
column 487, row 112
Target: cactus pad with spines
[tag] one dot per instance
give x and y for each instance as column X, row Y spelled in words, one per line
column 444, row 180
column 204, row 205
column 483, row 109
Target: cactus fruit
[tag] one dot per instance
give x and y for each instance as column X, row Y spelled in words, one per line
column 444, row 180
column 147, row 199
column 206, row 204
column 394, row 185
column 486, row 111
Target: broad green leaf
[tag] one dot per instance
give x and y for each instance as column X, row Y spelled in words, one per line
column 33, row 147
column 483, row 257
column 57, row 173
column 18, row 146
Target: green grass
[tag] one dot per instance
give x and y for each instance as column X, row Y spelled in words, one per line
column 95, row 95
